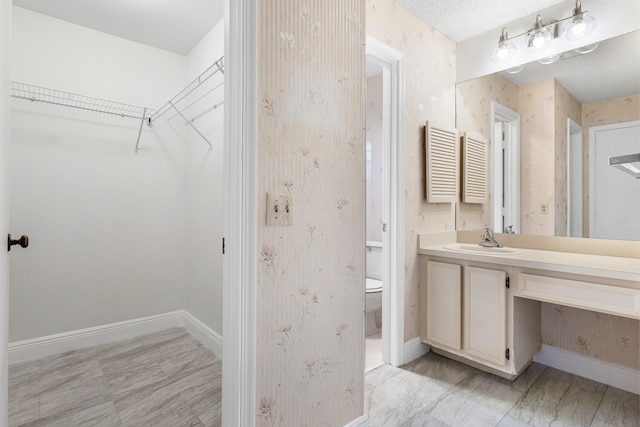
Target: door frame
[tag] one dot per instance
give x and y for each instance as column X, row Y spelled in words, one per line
column 5, row 135
column 575, row 150
column 392, row 63
column 239, row 261
column 511, row 123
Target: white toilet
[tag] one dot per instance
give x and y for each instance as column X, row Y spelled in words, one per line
column 373, row 296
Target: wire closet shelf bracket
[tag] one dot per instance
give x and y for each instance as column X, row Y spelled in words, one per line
column 188, row 99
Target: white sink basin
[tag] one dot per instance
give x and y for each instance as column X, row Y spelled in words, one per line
column 477, row 249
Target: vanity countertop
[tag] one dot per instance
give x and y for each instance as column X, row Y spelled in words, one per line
column 574, row 263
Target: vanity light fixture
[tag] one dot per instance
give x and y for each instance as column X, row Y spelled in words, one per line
column 514, row 70
column 580, row 24
column 629, row 163
column 541, row 35
column 586, row 49
column 549, row 59
column 504, row 51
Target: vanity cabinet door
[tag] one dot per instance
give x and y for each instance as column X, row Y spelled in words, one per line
column 444, row 304
column 485, row 314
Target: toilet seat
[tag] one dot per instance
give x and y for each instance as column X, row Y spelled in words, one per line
column 373, row 286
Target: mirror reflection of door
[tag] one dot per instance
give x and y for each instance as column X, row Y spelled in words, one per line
column 574, row 179
column 614, row 200
column 505, row 169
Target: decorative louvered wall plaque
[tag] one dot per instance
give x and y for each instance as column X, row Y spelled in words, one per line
column 442, row 160
column 474, row 168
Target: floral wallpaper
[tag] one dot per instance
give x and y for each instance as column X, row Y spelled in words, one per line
column 602, row 336
column 565, row 106
column 473, row 113
column 310, row 284
column 374, row 158
column 430, row 69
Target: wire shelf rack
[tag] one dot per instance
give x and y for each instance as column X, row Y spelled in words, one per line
column 73, row 100
column 186, row 102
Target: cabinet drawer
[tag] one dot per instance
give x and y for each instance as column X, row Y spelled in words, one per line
column 594, row 296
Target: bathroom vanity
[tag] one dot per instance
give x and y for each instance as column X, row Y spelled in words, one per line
column 481, row 306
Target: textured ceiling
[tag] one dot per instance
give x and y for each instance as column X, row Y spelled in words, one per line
column 173, row 25
column 463, row 19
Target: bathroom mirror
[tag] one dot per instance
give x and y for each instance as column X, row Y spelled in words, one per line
column 611, row 71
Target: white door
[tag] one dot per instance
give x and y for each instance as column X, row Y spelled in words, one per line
column 5, row 33
column 614, row 196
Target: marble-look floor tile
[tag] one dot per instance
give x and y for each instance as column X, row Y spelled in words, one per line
column 529, row 376
column 400, row 398
column 183, row 363
column 73, row 397
column 440, row 369
column 209, row 408
column 618, row 408
column 382, row 373
column 479, row 400
column 25, row 410
column 18, row 370
column 423, row 419
column 552, row 401
column 103, row 415
column 127, row 382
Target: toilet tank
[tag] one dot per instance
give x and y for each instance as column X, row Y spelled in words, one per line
column 373, row 267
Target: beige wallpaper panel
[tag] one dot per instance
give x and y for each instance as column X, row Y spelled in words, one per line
column 310, row 284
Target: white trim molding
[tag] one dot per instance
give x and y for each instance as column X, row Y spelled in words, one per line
column 413, row 349
column 607, row 373
column 392, row 62
column 36, row 348
column 362, row 421
column 207, row 336
column 239, row 269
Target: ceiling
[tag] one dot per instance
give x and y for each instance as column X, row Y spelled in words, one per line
column 173, row 25
column 178, row 25
column 463, row 19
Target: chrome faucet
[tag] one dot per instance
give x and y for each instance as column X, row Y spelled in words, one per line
column 488, row 240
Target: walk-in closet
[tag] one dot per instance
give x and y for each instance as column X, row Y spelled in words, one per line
column 117, row 179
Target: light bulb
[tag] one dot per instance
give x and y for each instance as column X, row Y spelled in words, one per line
column 504, row 51
column 581, row 25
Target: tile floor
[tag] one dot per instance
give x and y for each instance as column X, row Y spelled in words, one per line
column 373, row 349
column 164, row 379
column 435, row 391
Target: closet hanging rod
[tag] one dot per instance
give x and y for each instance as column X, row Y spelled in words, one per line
column 198, row 100
column 67, row 99
column 217, row 69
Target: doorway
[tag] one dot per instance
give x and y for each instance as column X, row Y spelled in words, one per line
column 613, row 201
column 388, row 63
column 505, row 169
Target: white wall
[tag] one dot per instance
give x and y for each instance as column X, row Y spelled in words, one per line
column 204, row 192
column 106, row 224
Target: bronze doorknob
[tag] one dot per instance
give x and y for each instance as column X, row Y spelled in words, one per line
column 23, row 241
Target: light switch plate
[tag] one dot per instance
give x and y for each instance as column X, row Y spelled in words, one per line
column 279, row 210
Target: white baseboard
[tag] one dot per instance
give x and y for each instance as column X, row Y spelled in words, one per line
column 413, row 349
column 361, row 421
column 207, row 336
column 607, row 373
column 36, row 348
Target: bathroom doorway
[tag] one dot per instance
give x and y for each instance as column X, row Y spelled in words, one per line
column 384, row 300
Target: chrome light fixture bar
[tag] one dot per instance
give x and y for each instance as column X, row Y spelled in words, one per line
column 579, row 25
column 629, row 163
